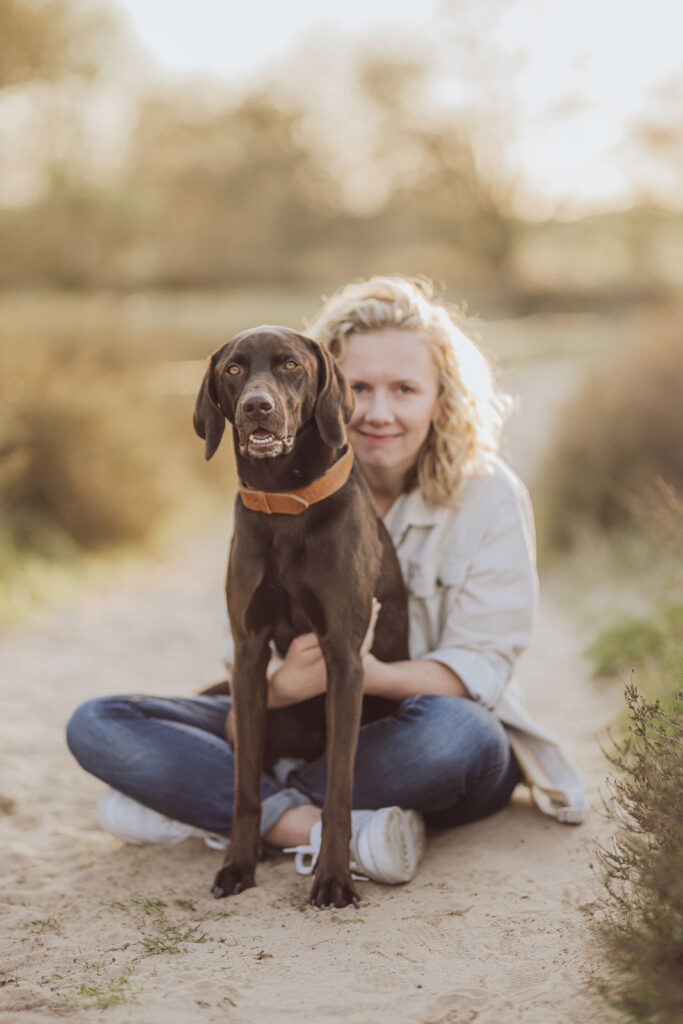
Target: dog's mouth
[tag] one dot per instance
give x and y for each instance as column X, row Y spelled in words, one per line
column 263, row 444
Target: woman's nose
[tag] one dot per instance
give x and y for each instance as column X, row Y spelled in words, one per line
column 379, row 408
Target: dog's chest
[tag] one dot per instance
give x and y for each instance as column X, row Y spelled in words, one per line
column 279, row 597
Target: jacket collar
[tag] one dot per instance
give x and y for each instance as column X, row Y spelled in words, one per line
column 410, row 510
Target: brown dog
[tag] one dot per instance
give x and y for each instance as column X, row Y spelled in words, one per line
column 308, row 554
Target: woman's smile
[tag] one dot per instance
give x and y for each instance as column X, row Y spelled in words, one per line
column 377, row 438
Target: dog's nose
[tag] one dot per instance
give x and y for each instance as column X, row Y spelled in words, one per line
column 257, row 401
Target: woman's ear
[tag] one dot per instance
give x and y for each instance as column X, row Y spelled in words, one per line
column 208, row 418
column 335, row 402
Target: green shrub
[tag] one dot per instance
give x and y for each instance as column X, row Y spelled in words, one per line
column 618, row 436
column 653, row 647
column 640, row 927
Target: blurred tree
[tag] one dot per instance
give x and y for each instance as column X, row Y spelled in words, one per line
column 233, row 193
column 657, row 138
column 47, row 40
column 653, row 146
column 439, row 190
column 66, row 224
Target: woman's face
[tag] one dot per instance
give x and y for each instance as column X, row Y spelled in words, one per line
column 395, row 383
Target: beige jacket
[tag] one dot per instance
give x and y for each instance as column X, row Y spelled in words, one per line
column 471, row 577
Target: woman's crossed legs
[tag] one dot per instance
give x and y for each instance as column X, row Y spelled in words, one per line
column 447, row 757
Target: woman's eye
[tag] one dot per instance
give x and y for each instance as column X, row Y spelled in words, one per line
column 357, row 388
column 406, row 389
column 290, row 365
column 233, row 369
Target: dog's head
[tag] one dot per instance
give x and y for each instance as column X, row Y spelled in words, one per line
column 268, row 382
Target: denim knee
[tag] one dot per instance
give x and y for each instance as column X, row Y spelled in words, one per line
column 85, row 730
column 456, row 733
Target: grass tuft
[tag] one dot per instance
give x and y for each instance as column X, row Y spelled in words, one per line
column 169, row 940
column 110, row 994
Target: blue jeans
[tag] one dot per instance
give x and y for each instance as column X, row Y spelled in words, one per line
column 445, row 756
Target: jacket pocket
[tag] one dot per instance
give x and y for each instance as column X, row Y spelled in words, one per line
column 425, row 580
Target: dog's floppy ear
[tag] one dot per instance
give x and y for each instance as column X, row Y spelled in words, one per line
column 335, row 402
column 208, row 419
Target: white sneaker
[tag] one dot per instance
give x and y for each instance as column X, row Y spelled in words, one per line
column 386, row 846
column 134, row 823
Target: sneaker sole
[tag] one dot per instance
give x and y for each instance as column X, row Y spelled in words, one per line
column 398, row 839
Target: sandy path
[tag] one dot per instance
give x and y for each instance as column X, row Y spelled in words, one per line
column 494, row 927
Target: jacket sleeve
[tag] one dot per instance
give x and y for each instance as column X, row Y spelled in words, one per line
column 490, row 612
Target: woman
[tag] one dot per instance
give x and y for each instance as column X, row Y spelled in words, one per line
column 425, row 430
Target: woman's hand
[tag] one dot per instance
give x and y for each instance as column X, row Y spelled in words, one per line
column 302, row 674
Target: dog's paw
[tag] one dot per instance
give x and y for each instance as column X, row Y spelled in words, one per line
column 233, row 879
column 333, row 891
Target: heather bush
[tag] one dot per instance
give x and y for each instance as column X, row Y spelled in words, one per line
column 640, row 926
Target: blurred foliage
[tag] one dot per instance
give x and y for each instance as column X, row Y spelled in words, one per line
column 229, row 196
column 47, row 40
column 218, row 192
column 86, row 436
column 640, row 928
column 651, row 645
column 619, row 437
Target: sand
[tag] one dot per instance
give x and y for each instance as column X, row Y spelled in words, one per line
column 494, row 928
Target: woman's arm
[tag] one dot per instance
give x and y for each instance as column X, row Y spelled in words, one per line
column 302, row 675
column 489, row 616
column 400, row 679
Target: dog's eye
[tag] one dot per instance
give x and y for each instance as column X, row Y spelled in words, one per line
column 233, row 369
column 290, row 364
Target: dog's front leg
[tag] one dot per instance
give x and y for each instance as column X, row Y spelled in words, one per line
column 250, row 696
column 333, row 885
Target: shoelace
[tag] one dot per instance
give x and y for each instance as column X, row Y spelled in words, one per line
column 304, row 867
column 214, row 841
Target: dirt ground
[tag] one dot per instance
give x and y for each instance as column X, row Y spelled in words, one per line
column 494, row 928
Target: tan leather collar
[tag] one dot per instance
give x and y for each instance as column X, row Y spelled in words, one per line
column 292, row 503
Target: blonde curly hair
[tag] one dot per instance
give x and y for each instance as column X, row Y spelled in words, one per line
column 467, row 430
